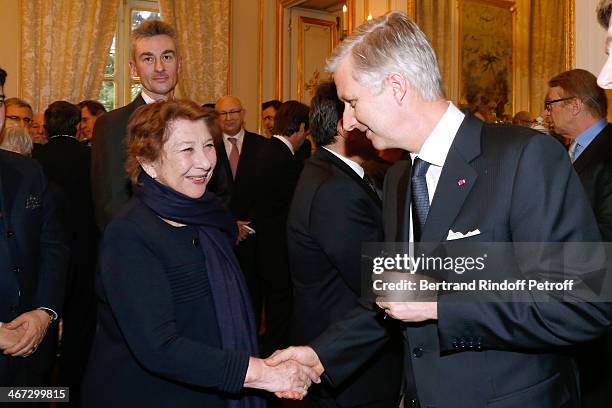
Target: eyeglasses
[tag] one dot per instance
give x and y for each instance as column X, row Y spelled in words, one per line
column 234, row 113
column 548, row 104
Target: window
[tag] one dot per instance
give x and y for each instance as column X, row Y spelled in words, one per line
column 119, row 87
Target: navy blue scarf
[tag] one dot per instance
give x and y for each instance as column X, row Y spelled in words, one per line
column 217, row 232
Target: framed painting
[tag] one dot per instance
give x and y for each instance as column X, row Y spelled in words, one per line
column 487, row 71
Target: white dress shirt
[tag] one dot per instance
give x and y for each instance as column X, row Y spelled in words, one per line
column 353, row 165
column 228, row 145
column 435, row 149
column 286, row 142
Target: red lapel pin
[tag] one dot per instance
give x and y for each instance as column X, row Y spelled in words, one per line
column 460, row 182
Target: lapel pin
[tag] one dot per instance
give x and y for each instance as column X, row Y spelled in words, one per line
column 460, row 182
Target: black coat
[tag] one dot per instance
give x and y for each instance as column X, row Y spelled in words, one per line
column 518, row 186
column 33, row 253
column 110, row 185
column 333, row 212
column 158, row 342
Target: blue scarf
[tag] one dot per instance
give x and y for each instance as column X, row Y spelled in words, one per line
column 217, row 232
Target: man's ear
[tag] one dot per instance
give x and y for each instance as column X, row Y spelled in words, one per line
column 133, row 68
column 148, row 167
column 577, row 106
column 399, row 86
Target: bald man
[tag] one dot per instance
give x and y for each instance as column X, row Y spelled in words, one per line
column 234, row 183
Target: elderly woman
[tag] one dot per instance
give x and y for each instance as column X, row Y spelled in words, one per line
column 175, row 327
column 16, row 139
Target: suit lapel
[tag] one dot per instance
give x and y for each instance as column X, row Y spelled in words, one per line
column 9, row 185
column 324, row 155
column 456, row 181
column 598, row 147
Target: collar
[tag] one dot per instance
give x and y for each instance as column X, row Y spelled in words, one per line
column 286, row 142
column 586, row 137
column 54, row 136
column 353, row 165
column 438, row 143
column 238, row 136
column 148, row 100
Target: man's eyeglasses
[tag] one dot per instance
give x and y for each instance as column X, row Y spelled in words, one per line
column 233, row 113
column 548, row 104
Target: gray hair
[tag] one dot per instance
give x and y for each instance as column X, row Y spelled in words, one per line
column 387, row 44
column 16, row 139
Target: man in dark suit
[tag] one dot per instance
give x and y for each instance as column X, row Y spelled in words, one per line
column 33, row 261
column 278, row 169
column 234, row 182
column 577, row 109
column 156, row 61
column 66, row 163
column 469, row 180
column 334, row 210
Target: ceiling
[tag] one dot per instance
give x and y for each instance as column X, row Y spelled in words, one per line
column 324, row 5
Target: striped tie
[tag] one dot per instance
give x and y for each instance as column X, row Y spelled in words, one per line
column 420, row 197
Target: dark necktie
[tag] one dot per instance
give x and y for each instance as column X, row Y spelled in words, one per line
column 370, row 184
column 420, row 197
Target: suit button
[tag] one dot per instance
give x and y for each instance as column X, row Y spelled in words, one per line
column 16, row 269
column 195, row 242
column 10, row 234
column 412, row 403
column 417, row 352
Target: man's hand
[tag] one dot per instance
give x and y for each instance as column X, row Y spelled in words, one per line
column 35, row 323
column 288, row 377
column 9, row 337
column 243, row 233
column 410, row 311
column 303, row 355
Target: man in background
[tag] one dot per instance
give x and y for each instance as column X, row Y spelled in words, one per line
column 156, row 61
column 268, row 113
column 234, row 182
column 90, row 112
column 33, row 261
column 334, row 210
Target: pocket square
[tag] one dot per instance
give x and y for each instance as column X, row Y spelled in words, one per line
column 452, row 235
column 32, row 202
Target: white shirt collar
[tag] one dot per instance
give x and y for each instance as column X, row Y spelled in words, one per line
column 286, row 142
column 353, row 165
column 147, row 98
column 239, row 136
column 438, row 143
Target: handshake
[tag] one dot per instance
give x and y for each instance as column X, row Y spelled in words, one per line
column 287, row 373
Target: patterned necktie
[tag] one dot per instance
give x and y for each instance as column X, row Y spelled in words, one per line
column 574, row 150
column 234, row 156
column 420, row 197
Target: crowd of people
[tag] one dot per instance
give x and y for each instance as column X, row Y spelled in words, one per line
column 162, row 255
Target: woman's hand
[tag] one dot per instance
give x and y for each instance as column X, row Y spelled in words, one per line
column 289, row 377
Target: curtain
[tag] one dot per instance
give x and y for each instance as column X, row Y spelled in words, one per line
column 65, row 45
column 434, row 17
column 547, row 52
column 203, row 29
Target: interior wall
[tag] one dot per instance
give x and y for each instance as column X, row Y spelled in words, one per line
column 10, row 45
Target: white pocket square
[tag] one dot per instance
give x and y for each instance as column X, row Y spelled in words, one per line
column 452, row 235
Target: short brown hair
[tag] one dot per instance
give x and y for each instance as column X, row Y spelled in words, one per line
column 289, row 117
column 151, row 28
column 604, row 10
column 581, row 84
column 150, row 126
column 94, row 107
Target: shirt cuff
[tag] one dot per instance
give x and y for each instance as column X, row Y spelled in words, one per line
column 52, row 313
